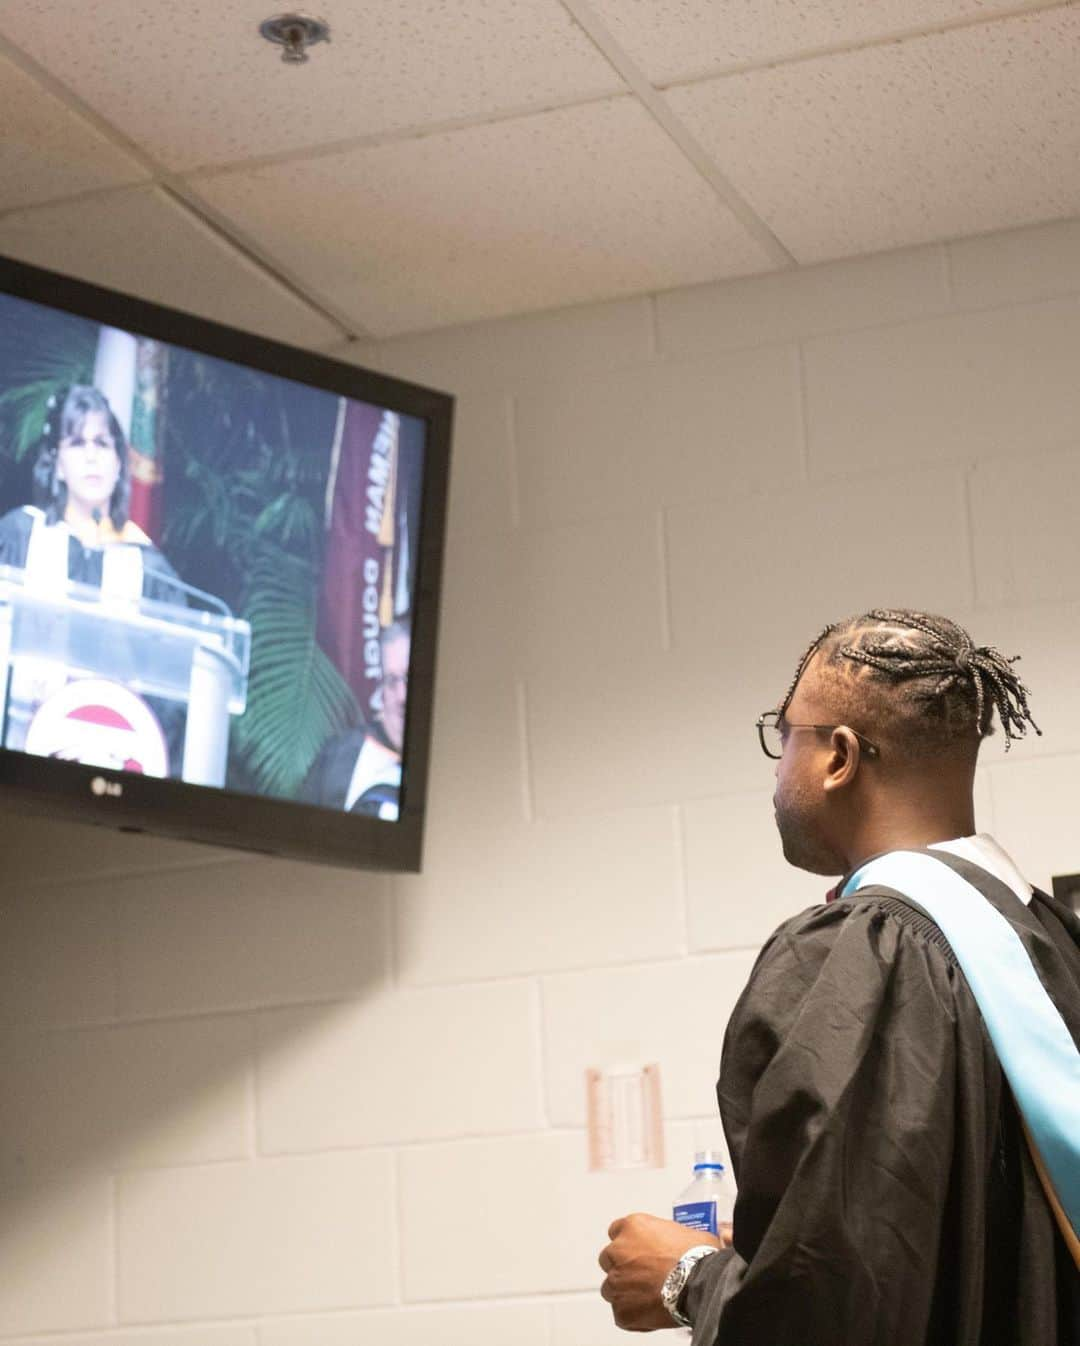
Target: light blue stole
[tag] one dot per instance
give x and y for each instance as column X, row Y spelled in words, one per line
column 1036, row 1050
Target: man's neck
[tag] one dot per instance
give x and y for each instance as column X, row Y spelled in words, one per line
column 897, row 834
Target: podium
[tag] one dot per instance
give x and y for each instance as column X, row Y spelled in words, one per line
column 162, row 661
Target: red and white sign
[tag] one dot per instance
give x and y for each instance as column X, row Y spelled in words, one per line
column 99, row 723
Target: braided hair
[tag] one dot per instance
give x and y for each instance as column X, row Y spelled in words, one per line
column 920, row 676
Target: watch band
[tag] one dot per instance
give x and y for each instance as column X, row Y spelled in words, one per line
column 675, row 1281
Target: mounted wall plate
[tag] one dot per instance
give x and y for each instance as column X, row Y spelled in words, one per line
column 625, row 1118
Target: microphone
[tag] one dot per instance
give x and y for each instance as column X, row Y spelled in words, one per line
column 190, row 591
column 178, row 585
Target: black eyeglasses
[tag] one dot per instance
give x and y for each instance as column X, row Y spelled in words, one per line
column 771, row 734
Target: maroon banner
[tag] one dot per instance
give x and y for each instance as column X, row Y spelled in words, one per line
column 353, row 605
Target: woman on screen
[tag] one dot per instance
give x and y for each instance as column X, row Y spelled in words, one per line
column 78, row 526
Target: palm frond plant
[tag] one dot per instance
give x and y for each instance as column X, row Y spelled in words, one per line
column 297, row 699
column 40, row 353
column 247, row 458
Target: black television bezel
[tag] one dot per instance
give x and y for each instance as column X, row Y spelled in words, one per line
column 222, row 817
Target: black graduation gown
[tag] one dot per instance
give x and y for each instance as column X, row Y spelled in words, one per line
column 330, row 775
column 85, row 564
column 885, row 1193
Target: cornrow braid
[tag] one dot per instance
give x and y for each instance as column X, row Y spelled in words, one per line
column 808, row 654
column 933, row 675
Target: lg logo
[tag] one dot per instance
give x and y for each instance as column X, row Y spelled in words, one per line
column 101, row 786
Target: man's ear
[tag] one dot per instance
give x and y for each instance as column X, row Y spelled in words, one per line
column 844, row 758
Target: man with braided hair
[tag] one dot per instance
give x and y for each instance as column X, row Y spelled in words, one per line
column 900, row 1178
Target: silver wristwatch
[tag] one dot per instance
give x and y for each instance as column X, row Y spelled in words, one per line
column 676, row 1279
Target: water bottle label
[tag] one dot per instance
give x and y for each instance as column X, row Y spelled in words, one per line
column 697, row 1215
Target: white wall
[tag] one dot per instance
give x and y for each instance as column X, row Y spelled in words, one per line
column 257, row 1102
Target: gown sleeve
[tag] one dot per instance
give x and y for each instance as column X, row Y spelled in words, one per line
column 842, row 1074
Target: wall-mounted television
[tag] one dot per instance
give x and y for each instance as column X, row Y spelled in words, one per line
column 220, row 565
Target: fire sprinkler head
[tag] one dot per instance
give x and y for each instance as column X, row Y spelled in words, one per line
column 295, row 33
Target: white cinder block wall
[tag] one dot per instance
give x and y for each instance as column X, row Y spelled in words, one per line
column 251, row 1103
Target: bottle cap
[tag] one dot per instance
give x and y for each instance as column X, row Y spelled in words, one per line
column 708, row 1159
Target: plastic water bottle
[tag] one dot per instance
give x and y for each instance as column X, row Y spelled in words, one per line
column 710, row 1199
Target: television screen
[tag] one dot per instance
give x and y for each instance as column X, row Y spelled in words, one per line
column 219, row 574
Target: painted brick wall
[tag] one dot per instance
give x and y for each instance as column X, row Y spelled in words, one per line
column 255, row 1103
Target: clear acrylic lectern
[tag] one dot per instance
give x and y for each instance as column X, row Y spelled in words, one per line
column 193, row 662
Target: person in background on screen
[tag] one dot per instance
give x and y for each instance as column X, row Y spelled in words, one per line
column 78, row 526
column 360, row 771
column 887, row 1195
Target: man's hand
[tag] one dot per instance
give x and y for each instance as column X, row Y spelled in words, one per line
column 642, row 1251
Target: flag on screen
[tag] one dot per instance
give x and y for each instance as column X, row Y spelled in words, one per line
column 146, row 448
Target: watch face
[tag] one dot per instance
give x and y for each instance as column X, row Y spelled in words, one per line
column 675, row 1281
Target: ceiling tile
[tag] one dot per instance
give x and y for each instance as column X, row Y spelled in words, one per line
column 138, row 241
column 680, row 39
column 541, row 211
column 196, row 84
column 46, row 151
column 931, row 138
